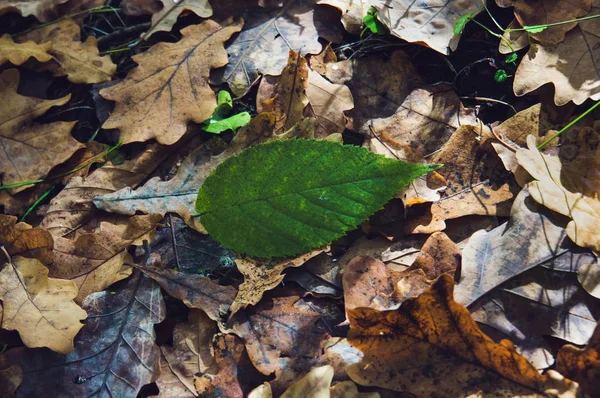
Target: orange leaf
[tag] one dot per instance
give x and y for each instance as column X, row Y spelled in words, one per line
column 582, row 364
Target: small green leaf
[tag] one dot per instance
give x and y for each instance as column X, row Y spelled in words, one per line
column 535, row 28
column 500, row 76
column 511, row 58
column 231, row 123
column 287, row 197
column 372, row 23
column 460, row 24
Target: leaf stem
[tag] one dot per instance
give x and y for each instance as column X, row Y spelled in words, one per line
column 568, row 126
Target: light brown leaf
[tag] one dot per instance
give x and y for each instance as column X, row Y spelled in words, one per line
column 571, row 66
column 43, row 10
column 542, row 12
column 513, row 41
column 18, row 53
column 164, row 19
column 589, row 277
column 582, row 364
column 140, row 7
column 169, row 87
column 315, row 384
column 31, row 150
column 260, row 276
column 23, row 240
column 80, row 62
column 328, row 101
column 432, row 346
column 569, row 183
column 41, row 309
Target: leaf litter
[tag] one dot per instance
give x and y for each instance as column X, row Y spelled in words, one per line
column 111, row 285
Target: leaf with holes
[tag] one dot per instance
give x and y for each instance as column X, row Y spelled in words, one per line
column 287, row 197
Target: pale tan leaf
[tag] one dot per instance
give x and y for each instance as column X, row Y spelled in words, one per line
column 43, row 10
column 315, row 384
column 41, row 309
column 169, row 87
column 328, row 102
column 164, row 19
column 348, row 389
column 513, row 41
column 589, row 277
column 18, row 53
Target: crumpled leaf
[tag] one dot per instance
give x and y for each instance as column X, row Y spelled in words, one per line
column 94, row 261
column 260, row 277
column 569, row 183
column 41, row 309
column 275, row 328
column 190, row 354
column 582, row 364
column 542, row 12
column 263, row 44
column 169, row 87
column 31, row 150
column 431, row 346
column 23, row 240
column 114, row 353
column 19, row 53
column 43, row 10
column 195, row 291
column 309, row 205
column 571, row 65
column 164, row 19
column 80, row 62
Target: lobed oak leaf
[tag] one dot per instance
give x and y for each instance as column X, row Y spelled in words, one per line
column 19, row 53
column 169, row 87
column 43, row 10
column 23, row 240
column 582, row 364
column 569, row 183
column 31, row 150
column 431, row 345
column 164, row 19
column 41, row 309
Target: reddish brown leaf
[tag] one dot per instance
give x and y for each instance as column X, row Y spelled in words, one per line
column 23, row 240
column 582, row 364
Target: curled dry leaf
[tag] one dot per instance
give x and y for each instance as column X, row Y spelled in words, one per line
column 80, row 62
column 571, row 65
column 164, row 19
column 23, row 240
column 582, row 364
column 169, row 87
column 261, row 276
column 431, row 345
column 115, row 352
column 569, row 184
column 31, row 150
column 41, row 309
column 18, row 53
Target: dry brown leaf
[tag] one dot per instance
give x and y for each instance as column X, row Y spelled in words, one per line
column 164, row 19
column 431, row 346
column 31, row 150
column 260, row 276
column 140, row 7
column 328, row 101
column 513, row 41
column 41, row 309
column 43, row 10
column 569, row 184
column 96, row 260
column 80, row 62
column 275, row 328
column 190, row 354
column 23, row 240
column 582, row 364
column 315, row 384
column 169, row 87
column 18, row 53
column 439, row 255
column 318, row 63
column 10, row 379
column 571, row 66
column 589, row 277
column 285, row 96
column 542, row 12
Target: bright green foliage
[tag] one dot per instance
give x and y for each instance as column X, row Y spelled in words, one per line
column 284, row 198
column 372, row 23
column 511, row 58
column 220, row 120
column 535, row 28
column 460, row 24
column 500, row 76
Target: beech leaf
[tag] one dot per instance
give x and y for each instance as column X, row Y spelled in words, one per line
column 287, row 197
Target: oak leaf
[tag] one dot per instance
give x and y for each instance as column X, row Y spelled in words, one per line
column 316, row 384
column 513, row 41
column 19, row 53
column 582, row 364
column 80, row 62
column 571, row 65
column 140, row 7
column 431, row 345
column 31, row 150
column 115, row 352
column 569, row 183
column 169, row 87
column 588, row 276
column 164, row 19
column 43, row 10
column 41, row 309
column 23, row 240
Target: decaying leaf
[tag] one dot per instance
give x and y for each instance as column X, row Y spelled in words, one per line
column 431, row 346
column 23, row 240
column 164, row 19
column 18, row 53
column 582, row 364
column 262, row 46
column 31, row 150
column 275, row 328
column 569, row 183
column 115, row 352
column 571, row 65
column 260, row 276
column 194, row 290
column 80, row 62
column 41, row 309
column 169, row 87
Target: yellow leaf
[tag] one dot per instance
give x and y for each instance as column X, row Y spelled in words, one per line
column 41, row 309
column 18, row 53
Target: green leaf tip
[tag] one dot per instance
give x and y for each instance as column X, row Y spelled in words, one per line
column 284, row 198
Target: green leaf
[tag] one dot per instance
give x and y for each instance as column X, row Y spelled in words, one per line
column 511, row 58
column 460, row 24
column 287, row 197
column 372, row 23
column 500, row 76
column 231, row 123
column 535, row 28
